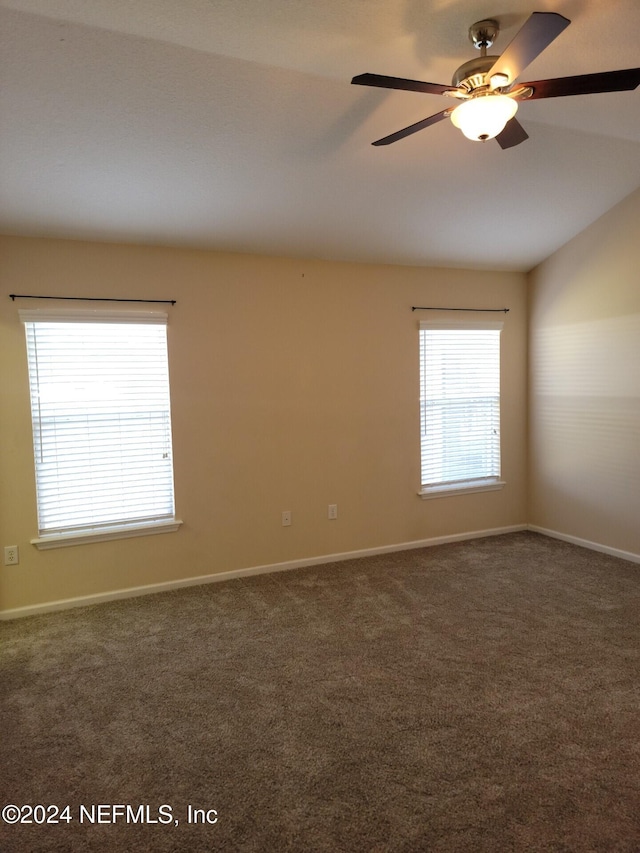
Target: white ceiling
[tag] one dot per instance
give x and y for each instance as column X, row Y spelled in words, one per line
column 232, row 124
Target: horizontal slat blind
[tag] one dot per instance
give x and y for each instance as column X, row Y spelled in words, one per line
column 459, row 403
column 101, row 422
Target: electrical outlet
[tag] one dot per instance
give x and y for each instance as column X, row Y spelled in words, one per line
column 333, row 512
column 11, row 555
column 286, row 518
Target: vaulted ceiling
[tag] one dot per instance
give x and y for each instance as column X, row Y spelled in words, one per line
column 233, row 125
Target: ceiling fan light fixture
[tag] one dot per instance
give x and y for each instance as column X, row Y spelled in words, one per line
column 498, row 81
column 485, row 116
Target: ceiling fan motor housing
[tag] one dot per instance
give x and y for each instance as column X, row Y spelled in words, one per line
column 472, row 74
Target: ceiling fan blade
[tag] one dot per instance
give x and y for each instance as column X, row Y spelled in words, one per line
column 586, row 84
column 413, row 128
column 537, row 33
column 512, row 135
column 384, row 82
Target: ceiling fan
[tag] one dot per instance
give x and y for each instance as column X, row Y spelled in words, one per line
column 487, row 85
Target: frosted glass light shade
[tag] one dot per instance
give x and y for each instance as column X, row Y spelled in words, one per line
column 484, row 117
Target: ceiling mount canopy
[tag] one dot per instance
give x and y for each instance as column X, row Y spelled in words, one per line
column 482, row 34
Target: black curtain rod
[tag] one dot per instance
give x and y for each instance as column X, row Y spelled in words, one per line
column 92, row 298
column 498, row 310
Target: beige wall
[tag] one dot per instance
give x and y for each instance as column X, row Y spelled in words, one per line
column 585, row 384
column 294, row 385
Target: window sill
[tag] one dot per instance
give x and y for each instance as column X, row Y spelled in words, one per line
column 468, row 488
column 123, row 531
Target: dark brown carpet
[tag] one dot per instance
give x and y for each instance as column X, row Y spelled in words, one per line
column 480, row 696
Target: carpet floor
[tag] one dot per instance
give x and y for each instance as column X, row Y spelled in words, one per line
column 477, row 696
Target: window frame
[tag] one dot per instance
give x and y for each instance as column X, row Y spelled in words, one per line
column 468, row 485
column 105, row 530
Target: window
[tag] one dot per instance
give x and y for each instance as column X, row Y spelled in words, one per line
column 459, row 407
column 101, row 425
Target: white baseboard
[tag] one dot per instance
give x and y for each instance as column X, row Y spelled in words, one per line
column 114, row 595
column 585, row 543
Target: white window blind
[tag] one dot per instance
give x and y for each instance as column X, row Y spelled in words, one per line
column 459, row 404
column 101, row 419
